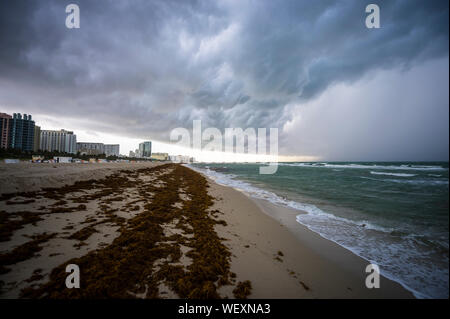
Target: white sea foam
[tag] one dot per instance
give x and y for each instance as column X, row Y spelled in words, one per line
column 365, row 166
column 366, row 239
column 312, row 210
column 418, row 182
column 392, row 174
column 425, row 182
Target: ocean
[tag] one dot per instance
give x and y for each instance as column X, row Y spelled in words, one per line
column 394, row 214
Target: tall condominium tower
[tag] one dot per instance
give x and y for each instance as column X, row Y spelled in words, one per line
column 4, row 129
column 145, row 149
column 21, row 132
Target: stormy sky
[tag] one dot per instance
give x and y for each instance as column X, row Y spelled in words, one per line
column 335, row 89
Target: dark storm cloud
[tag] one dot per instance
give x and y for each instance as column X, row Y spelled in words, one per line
column 145, row 67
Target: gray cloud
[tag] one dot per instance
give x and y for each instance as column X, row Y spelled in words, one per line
column 392, row 116
column 141, row 68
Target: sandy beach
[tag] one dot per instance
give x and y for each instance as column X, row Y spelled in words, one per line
column 310, row 266
column 149, row 230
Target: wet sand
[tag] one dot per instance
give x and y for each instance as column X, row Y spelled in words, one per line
column 310, row 266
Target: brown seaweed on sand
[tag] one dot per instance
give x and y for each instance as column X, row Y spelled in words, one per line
column 23, row 252
column 242, row 290
column 143, row 257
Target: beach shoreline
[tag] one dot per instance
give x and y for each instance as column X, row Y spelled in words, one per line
column 310, row 267
column 279, row 260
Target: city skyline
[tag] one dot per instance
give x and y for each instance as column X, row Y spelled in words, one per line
column 60, row 140
column 21, row 132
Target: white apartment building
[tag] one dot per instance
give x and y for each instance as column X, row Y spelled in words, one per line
column 112, row 149
column 60, row 141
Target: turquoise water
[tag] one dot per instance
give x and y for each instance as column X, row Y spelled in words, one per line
column 395, row 214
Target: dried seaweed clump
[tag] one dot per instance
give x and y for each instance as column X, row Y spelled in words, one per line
column 242, row 290
column 23, row 252
column 9, row 225
column 83, row 233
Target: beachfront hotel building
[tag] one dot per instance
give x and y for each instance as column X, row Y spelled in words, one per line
column 59, row 141
column 21, row 132
column 112, row 149
column 4, row 129
column 91, row 148
column 145, row 149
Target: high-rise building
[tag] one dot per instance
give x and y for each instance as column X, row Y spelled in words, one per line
column 91, row 148
column 145, row 149
column 5, row 120
column 59, row 141
column 37, row 138
column 112, row 149
column 21, row 132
